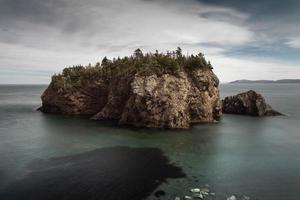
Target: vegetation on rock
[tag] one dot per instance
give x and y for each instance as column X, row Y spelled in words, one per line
column 138, row 63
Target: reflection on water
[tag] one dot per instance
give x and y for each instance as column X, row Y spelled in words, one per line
column 257, row 157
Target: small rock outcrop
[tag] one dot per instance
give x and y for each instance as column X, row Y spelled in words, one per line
column 152, row 90
column 248, row 103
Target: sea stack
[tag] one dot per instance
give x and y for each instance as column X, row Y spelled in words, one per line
column 248, row 103
column 151, row 90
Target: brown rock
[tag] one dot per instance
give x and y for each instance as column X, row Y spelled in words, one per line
column 165, row 101
column 84, row 101
column 248, row 103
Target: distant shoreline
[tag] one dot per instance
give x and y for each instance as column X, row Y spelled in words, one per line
column 22, row 84
column 266, row 81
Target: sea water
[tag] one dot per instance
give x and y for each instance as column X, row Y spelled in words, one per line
column 43, row 155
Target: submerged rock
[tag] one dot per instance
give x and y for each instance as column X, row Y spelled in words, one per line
column 159, row 193
column 195, row 190
column 200, row 193
column 232, row 198
column 97, row 174
column 248, row 103
column 244, row 197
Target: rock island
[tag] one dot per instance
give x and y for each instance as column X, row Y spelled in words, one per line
column 160, row 90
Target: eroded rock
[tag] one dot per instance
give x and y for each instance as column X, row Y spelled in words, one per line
column 248, row 103
column 164, row 101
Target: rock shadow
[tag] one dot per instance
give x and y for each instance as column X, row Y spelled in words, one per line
column 114, row 173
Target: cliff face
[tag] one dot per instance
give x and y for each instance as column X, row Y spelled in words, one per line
column 164, row 101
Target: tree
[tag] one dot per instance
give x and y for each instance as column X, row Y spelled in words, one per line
column 104, row 62
column 178, row 52
column 138, row 53
column 209, row 65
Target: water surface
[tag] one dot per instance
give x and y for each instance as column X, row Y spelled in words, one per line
column 257, row 157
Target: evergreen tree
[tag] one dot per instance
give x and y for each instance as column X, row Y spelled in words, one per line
column 178, row 52
column 138, row 53
column 104, row 62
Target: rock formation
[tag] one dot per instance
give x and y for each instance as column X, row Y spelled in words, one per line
column 152, row 90
column 248, row 103
column 164, row 101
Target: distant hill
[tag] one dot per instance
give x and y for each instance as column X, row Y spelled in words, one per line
column 267, row 81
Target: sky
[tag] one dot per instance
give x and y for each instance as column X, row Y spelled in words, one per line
column 258, row 39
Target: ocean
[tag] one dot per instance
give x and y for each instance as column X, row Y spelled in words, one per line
column 45, row 156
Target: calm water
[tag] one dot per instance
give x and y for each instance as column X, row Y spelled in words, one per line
column 257, row 157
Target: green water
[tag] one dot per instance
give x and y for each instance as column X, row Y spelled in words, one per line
column 257, row 157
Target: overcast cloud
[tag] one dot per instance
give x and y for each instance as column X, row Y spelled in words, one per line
column 242, row 40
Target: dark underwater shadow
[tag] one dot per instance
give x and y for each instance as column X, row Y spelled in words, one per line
column 107, row 173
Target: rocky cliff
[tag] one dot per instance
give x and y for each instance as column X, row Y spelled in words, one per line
column 248, row 103
column 164, row 101
column 144, row 90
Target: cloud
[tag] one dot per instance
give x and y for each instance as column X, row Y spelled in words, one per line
column 294, row 42
column 49, row 35
column 115, row 22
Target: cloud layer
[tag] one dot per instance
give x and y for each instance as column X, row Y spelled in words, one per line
column 39, row 38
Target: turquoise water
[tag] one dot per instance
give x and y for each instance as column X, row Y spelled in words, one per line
column 257, row 157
